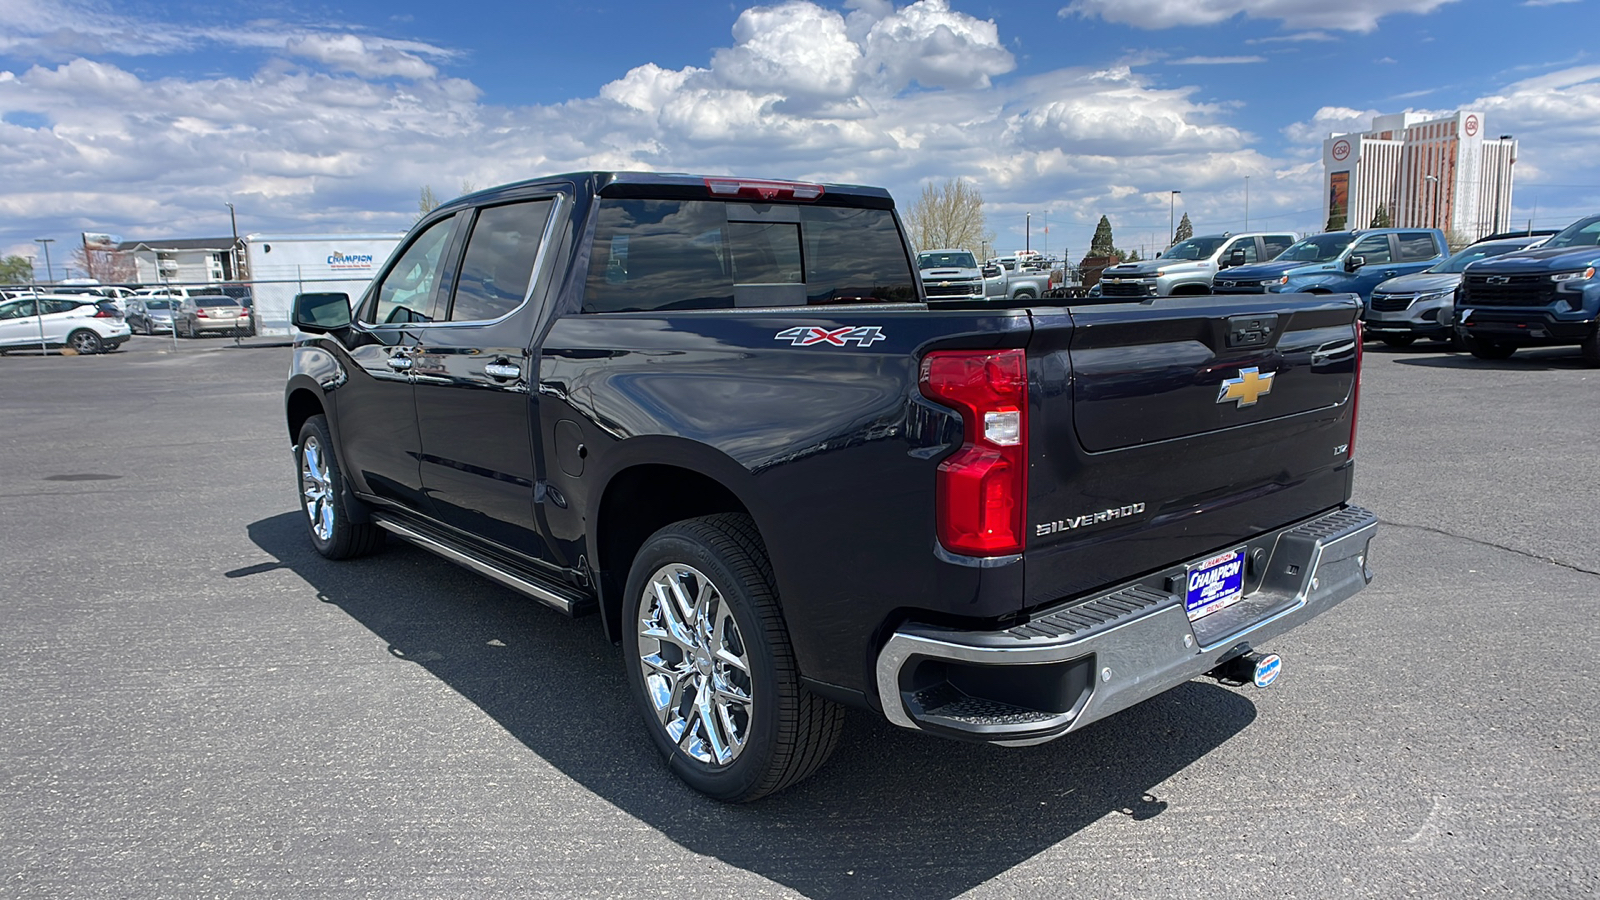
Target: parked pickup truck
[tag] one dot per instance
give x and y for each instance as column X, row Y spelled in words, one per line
column 1339, row 262
column 1011, row 278
column 1545, row 296
column 950, row 274
column 1188, row 267
column 723, row 414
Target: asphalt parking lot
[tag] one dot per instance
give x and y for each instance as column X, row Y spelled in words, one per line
column 193, row 703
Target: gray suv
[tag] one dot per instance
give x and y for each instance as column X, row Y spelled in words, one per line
column 1422, row 305
column 1188, row 267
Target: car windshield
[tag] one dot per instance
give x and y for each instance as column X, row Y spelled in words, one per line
column 946, row 261
column 1582, row 233
column 1194, row 248
column 1457, row 264
column 1318, row 248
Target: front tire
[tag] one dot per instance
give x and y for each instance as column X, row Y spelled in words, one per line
column 325, row 498
column 1591, row 348
column 711, row 666
column 85, row 342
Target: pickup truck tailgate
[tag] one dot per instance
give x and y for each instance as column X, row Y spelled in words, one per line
column 1165, row 430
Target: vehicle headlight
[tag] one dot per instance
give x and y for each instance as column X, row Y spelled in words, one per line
column 1434, row 297
column 1572, row 280
column 1282, row 280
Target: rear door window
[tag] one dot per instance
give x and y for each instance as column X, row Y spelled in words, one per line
column 499, row 260
column 706, row 254
column 1415, row 246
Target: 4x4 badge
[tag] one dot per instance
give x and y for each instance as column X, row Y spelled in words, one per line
column 805, row 336
column 1246, row 389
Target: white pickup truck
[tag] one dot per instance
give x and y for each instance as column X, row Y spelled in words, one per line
column 950, row 274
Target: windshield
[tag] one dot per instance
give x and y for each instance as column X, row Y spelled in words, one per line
column 1457, row 264
column 946, row 261
column 1318, row 248
column 1194, row 248
column 1582, row 233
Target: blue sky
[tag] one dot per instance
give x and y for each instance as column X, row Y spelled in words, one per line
column 143, row 119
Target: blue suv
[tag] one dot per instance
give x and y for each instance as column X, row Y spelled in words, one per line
column 1339, row 262
column 1549, row 295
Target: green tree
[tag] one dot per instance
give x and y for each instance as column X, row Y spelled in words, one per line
column 948, row 215
column 1185, row 230
column 16, row 270
column 1336, row 220
column 1381, row 218
column 1102, row 244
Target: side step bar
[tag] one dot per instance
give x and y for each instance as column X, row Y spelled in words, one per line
column 568, row 601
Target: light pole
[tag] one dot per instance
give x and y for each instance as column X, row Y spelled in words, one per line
column 1172, row 220
column 49, row 276
column 233, row 251
column 1247, row 203
column 1434, row 210
column 1027, row 234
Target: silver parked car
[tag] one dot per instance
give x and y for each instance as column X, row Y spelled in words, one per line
column 1422, row 305
column 210, row 314
column 151, row 315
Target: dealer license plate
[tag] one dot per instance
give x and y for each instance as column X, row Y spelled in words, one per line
column 1215, row 583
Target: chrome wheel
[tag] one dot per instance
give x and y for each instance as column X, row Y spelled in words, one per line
column 695, row 664
column 316, row 487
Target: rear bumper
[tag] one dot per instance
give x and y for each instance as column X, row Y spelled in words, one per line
column 1082, row 661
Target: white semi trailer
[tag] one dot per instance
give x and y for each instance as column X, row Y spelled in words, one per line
column 282, row 265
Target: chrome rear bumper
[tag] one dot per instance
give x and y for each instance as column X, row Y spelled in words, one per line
column 1082, row 661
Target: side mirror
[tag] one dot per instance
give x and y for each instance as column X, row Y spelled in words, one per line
column 321, row 313
column 1236, row 258
column 1352, row 263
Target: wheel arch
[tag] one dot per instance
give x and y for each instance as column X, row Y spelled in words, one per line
column 641, row 498
column 299, row 404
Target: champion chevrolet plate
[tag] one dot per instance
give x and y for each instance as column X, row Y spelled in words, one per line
column 1214, row 584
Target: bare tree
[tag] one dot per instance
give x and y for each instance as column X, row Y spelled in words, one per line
column 106, row 265
column 426, row 201
column 950, row 216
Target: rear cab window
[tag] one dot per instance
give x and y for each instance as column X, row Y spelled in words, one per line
column 673, row 254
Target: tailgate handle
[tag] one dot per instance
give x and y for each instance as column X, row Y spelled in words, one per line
column 1251, row 331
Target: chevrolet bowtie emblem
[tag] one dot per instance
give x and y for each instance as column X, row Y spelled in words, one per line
column 1249, row 387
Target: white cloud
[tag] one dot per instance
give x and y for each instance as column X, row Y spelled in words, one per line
column 364, row 57
column 1351, row 15
column 1217, row 60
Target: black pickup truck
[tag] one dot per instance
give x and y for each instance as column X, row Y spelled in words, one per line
column 722, row 413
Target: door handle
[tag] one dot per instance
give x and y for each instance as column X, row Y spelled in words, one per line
column 502, row 371
column 399, row 363
column 1390, row 273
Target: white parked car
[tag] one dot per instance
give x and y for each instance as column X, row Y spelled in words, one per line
column 87, row 324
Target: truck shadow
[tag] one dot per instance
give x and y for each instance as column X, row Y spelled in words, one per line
column 893, row 814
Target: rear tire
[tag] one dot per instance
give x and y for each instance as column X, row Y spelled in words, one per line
column 325, row 497
column 1483, row 349
column 1398, row 340
column 85, row 342
column 711, row 667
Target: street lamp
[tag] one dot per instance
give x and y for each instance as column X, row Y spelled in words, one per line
column 1027, row 233
column 1172, row 221
column 1435, row 210
column 1247, row 203
column 233, row 251
column 49, row 276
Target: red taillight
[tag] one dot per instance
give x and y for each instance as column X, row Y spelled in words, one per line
column 105, row 314
column 201, row 314
column 764, row 190
column 1355, row 394
column 982, row 490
